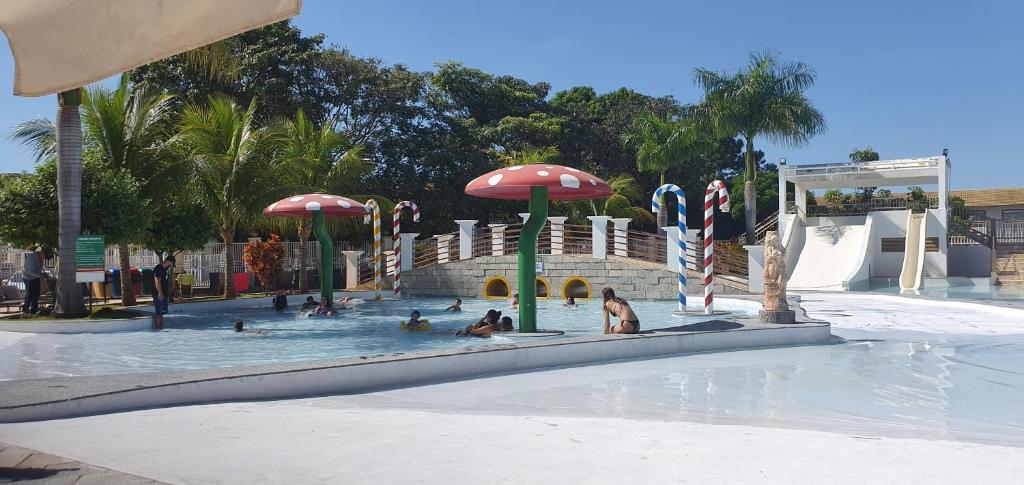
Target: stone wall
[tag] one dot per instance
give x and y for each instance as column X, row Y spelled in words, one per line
column 631, row 279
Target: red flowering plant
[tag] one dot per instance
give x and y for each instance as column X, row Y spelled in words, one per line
column 264, row 259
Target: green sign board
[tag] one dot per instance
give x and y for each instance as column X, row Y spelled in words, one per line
column 89, row 253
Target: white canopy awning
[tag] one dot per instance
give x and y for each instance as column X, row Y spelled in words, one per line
column 60, row 44
column 883, row 173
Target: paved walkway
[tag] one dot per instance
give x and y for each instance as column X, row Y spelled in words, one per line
column 24, row 465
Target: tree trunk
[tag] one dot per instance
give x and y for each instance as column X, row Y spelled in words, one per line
column 303, row 255
column 750, row 192
column 69, row 301
column 228, row 236
column 124, row 262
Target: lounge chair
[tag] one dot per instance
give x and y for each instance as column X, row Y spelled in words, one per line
column 11, row 296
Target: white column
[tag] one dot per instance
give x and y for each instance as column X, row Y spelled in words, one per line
column 497, row 239
column 351, row 259
column 557, row 233
column 755, row 264
column 444, row 242
column 466, row 227
column 801, row 201
column 671, row 248
column 408, row 239
column 782, row 196
column 943, row 182
column 621, row 225
column 599, row 236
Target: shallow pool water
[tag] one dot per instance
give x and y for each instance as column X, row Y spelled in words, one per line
column 201, row 340
column 911, row 385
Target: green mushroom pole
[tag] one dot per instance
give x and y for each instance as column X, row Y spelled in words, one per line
column 326, row 256
column 528, row 258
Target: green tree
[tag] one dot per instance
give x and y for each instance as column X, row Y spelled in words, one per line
column 29, row 209
column 662, row 144
column 232, row 162
column 765, row 98
column 322, row 160
column 866, row 154
column 626, row 194
column 177, row 224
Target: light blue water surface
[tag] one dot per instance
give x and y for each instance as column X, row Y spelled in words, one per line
column 197, row 340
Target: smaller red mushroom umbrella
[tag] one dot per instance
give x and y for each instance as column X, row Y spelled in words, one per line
column 537, row 183
column 319, row 207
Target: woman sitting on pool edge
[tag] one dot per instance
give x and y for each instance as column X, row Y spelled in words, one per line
column 617, row 307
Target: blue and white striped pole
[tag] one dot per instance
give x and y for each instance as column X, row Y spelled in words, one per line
column 681, row 204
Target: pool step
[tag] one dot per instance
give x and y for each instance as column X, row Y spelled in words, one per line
column 1009, row 267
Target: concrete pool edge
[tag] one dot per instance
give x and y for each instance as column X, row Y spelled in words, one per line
column 56, row 398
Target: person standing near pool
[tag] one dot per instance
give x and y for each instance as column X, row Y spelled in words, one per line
column 617, row 307
column 31, row 274
column 161, row 288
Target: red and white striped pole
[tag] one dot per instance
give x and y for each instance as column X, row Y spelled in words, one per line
column 397, row 241
column 715, row 186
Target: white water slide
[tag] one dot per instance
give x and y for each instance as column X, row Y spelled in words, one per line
column 913, row 259
column 830, row 254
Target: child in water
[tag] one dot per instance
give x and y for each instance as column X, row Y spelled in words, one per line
column 280, row 301
column 414, row 320
column 515, row 301
column 506, row 325
column 569, row 302
column 240, row 328
column 456, row 307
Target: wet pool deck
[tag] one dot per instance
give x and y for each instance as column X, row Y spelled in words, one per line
column 62, row 397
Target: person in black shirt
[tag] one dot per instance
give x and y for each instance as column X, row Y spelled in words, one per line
column 280, row 301
column 161, row 291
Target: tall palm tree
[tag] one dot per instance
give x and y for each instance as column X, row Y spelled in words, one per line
column 764, row 98
column 529, row 155
column 126, row 126
column 323, row 160
column 129, row 127
column 62, row 141
column 233, row 168
column 664, row 143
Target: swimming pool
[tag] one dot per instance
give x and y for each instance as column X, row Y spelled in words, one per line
column 203, row 339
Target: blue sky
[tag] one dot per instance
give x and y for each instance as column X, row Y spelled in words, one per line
column 908, row 78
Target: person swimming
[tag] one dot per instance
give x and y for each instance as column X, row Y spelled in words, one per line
column 505, row 325
column 515, row 301
column 483, row 328
column 456, row 307
column 308, row 305
column 326, row 309
column 569, row 302
column 618, row 307
column 414, row 320
column 240, row 328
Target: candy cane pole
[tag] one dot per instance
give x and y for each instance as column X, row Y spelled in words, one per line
column 373, row 216
column 714, row 187
column 681, row 204
column 396, row 230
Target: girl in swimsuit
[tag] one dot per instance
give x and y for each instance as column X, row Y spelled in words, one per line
column 617, row 307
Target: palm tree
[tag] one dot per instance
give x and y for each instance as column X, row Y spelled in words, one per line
column 664, row 143
column 233, row 167
column 62, row 141
column 323, row 160
column 128, row 126
column 626, row 192
column 528, row 155
column 764, row 98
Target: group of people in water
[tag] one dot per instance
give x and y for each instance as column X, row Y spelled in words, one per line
column 492, row 322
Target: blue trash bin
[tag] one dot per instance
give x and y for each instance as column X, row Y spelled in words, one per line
column 115, row 277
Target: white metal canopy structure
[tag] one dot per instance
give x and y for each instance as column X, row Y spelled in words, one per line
column 60, row 45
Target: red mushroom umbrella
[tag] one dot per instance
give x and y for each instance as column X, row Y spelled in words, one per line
column 537, row 183
column 319, row 207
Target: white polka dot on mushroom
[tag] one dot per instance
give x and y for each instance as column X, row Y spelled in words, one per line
column 543, row 173
column 295, row 199
column 326, row 196
column 569, row 181
column 272, row 206
column 549, row 167
column 593, row 182
column 513, row 169
column 494, row 179
column 312, row 206
column 344, row 203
